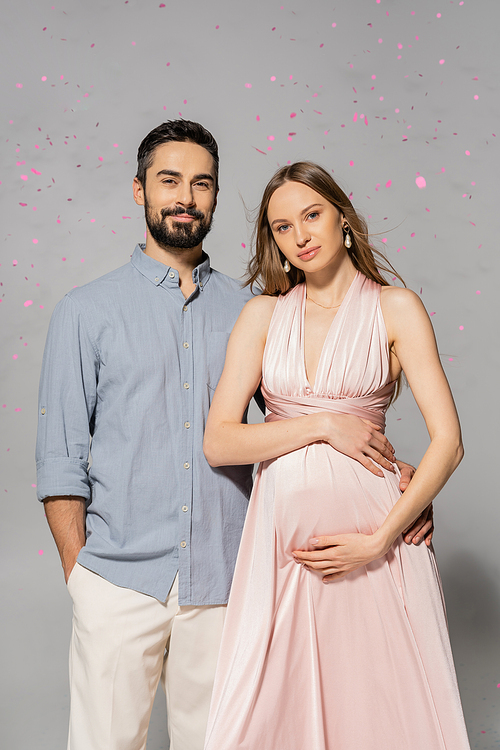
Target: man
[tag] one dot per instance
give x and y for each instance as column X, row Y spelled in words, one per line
column 131, row 362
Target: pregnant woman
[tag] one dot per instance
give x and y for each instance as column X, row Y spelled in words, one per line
column 338, row 642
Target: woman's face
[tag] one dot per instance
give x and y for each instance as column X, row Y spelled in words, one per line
column 307, row 228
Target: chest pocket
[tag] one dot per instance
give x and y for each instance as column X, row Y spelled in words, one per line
column 216, row 355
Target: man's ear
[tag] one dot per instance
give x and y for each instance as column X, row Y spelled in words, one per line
column 215, row 200
column 138, row 190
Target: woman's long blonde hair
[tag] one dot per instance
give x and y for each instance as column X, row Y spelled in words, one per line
column 265, row 267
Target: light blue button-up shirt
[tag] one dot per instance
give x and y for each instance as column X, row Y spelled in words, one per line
column 131, row 363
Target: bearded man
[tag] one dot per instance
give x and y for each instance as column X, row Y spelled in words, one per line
column 147, row 531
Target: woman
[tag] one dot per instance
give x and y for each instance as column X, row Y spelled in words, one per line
column 363, row 663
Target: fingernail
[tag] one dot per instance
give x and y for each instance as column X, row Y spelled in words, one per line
column 417, row 540
column 313, row 541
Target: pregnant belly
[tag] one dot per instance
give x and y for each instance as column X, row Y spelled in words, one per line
column 320, row 491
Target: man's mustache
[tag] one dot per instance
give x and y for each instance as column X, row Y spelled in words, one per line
column 177, row 211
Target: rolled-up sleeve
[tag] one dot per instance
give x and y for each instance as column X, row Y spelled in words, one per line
column 67, row 399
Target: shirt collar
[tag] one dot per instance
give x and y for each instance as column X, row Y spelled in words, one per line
column 158, row 272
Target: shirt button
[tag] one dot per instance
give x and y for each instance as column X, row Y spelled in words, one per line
column 42, row 411
column 183, row 544
column 172, row 275
column 185, row 308
column 186, row 386
column 187, row 425
column 186, row 465
column 157, row 278
column 201, row 285
column 184, row 508
column 186, row 345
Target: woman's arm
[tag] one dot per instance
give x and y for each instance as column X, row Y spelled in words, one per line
column 414, row 344
column 228, row 441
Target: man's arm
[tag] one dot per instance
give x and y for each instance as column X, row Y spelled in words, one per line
column 423, row 526
column 68, row 392
column 66, row 518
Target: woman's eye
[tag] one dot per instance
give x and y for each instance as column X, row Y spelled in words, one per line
column 313, row 215
column 282, row 228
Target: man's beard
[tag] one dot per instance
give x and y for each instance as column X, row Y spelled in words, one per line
column 182, row 235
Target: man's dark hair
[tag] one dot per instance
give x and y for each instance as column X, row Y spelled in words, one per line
column 175, row 130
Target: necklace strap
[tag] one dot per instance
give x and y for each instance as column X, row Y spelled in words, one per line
column 325, row 307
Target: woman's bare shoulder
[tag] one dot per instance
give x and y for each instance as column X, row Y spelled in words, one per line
column 260, row 307
column 397, row 300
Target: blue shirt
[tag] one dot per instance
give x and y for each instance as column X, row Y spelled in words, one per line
column 132, row 366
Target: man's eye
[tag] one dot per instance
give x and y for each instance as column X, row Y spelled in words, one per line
column 204, row 185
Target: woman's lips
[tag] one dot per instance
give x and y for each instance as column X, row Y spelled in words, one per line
column 309, row 252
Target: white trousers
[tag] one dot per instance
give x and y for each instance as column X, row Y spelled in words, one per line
column 123, row 642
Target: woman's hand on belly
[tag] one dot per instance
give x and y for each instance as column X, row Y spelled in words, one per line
column 336, row 556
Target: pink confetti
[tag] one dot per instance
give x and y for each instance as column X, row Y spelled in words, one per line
column 476, row 97
column 44, row 78
column 14, row 262
column 355, row 117
column 28, row 302
column 19, row 85
column 380, row 41
column 248, row 85
column 40, row 551
column 388, row 183
column 420, row 181
column 24, row 177
column 270, row 137
column 467, row 153
column 478, row 292
column 351, row 163
column 35, row 171
column 273, row 78
column 14, row 356
column 334, row 25
column 438, row 15
column 293, row 114
column 441, row 62
column 35, row 242
column 243, row 245
column 460, row 328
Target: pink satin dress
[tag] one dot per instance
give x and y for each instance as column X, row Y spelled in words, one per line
column 362, row 663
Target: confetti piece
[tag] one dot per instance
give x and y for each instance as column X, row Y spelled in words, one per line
column 293, row 114
column 24, row 177
column 441, row 62
column 40, row 551
column 28, row 302
column 388, row 183
column 248, row 85
column 35, row 171
column 460, row 328
column 334, row 25
column 14, row 262
column 19, row 85
column 35, row 242
column 420, row 181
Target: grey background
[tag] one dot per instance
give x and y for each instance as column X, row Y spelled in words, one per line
column 115, row 69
